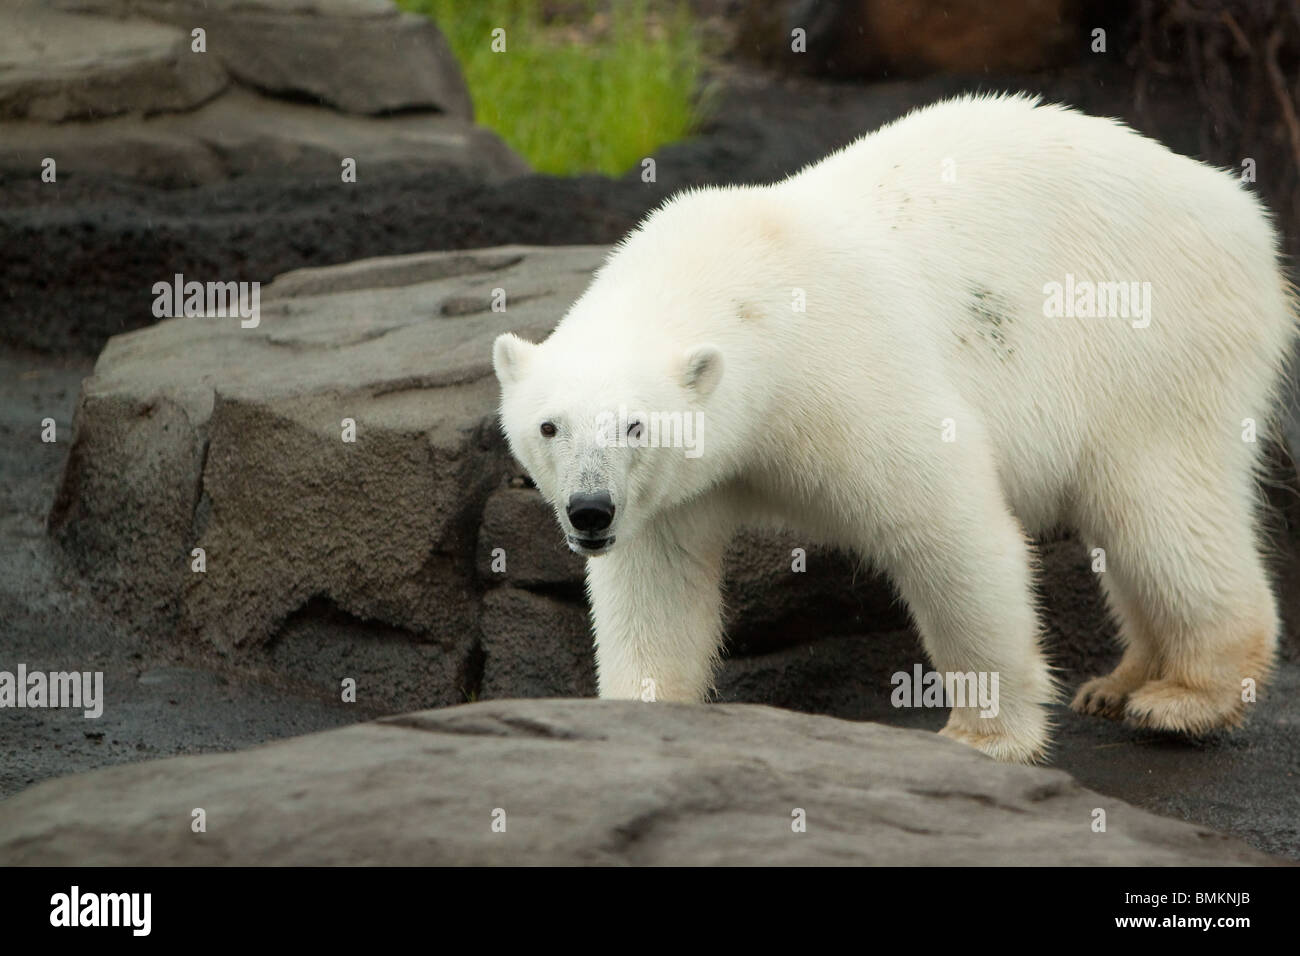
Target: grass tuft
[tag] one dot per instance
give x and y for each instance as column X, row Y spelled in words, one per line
column 596, row 93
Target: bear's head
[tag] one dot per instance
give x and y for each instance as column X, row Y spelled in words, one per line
column 611, row 430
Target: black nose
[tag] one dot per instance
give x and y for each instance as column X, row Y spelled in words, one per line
column 591, row 511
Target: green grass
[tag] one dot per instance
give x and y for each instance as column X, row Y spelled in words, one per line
column 590, row 95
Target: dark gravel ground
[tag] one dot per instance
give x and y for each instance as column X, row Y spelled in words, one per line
column 81, row 259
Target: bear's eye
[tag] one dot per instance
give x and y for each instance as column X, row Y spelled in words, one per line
column 634, row 430
column 548, row 429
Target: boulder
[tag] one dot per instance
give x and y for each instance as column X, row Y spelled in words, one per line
column 335, row 656
column 242, row 133
column 573, row 782
column 117, row 87
column 359, row 56
column 57, row 66
column 199, row 433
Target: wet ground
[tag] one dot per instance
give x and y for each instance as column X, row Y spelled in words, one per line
column 161, row 704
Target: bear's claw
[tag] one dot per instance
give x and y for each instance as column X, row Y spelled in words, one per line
column 1101, row 697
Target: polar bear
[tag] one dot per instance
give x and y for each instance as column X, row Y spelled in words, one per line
column 985, row 320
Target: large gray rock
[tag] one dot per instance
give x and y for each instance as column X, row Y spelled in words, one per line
column 57, row 66
column 595, row 782
column 243, row 132
column 361, row 56
column 199, row 433
column 114, row 86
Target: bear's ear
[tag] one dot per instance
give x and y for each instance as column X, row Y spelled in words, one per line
column 703, row 369
column 509, row 357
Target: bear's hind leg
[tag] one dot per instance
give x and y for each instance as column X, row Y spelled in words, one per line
column 1205, row 673
column 1184, row 537
column 1106, row 696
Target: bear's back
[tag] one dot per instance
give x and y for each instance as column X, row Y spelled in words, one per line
column 984, row 220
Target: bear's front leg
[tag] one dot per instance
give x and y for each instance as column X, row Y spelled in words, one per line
column 962, row 564
column 969, row 594
column 656, row 606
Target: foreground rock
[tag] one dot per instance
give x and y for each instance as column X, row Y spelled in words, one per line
column 594, row 782
column 126, row 87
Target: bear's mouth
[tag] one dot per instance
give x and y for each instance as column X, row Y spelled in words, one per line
column 589, row 546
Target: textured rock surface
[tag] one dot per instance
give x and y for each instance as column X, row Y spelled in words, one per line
column 535, row 646
column 360, row 56
column 594, row 782
column 116, row 86
column 520, row 543
column 772, row 593
column 57, row 66
column 199, row 433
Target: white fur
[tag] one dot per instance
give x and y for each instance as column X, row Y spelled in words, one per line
column 924, row 250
